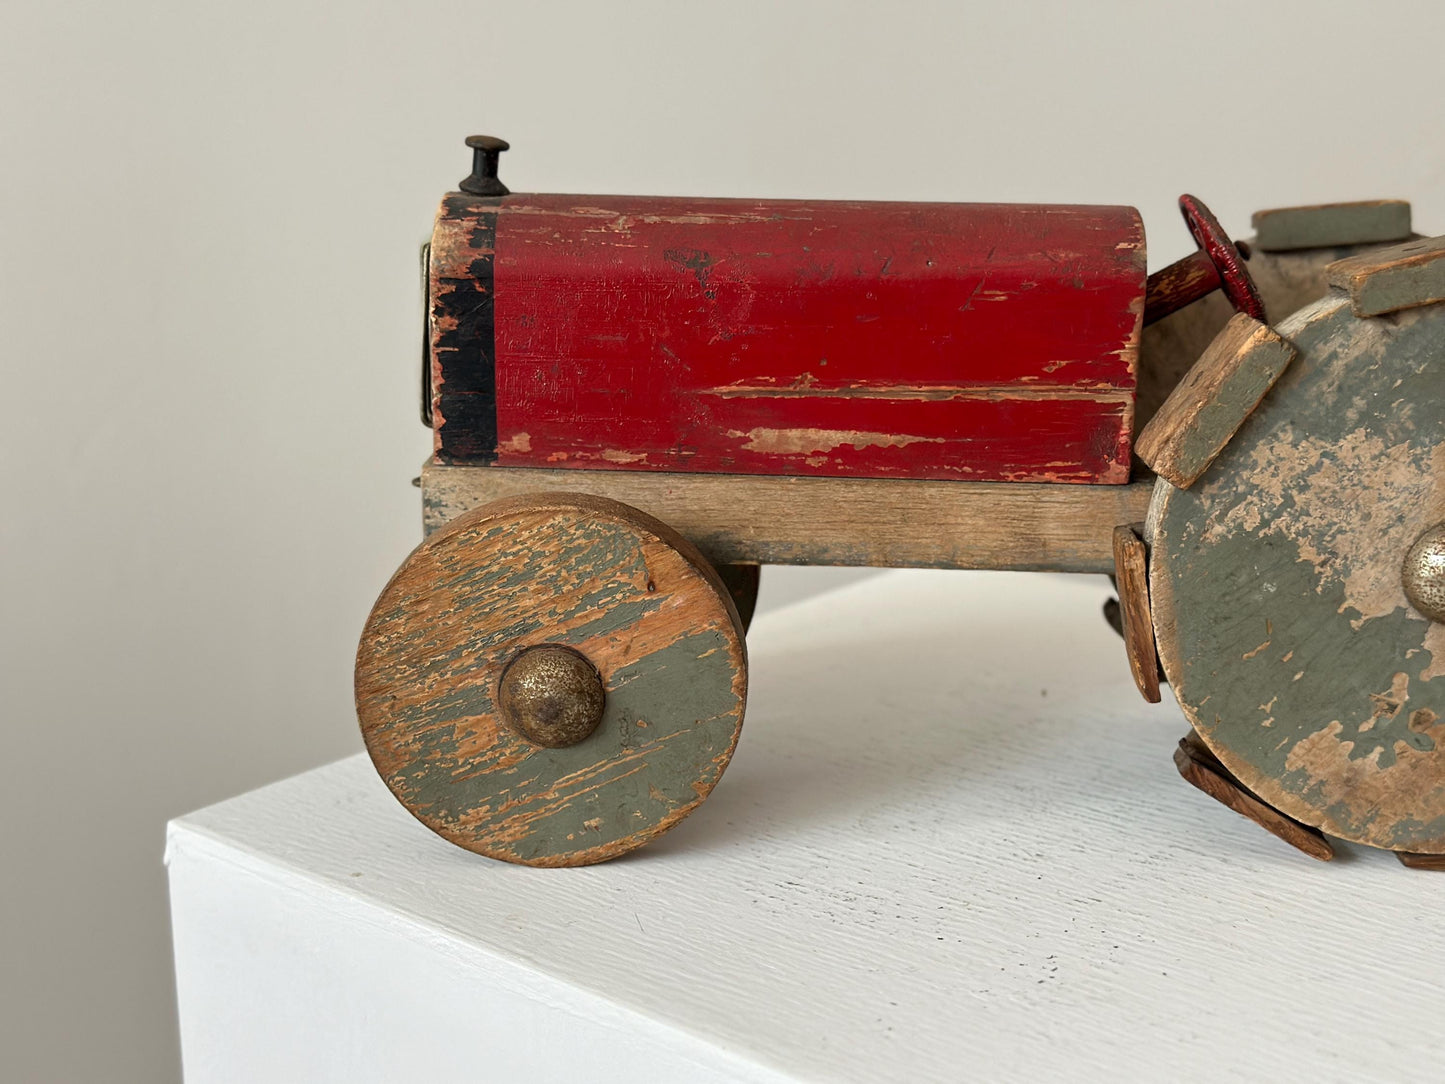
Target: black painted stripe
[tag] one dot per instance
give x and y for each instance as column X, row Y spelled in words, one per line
column 467, row 354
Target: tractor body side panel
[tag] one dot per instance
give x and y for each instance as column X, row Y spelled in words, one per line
column 877, row 340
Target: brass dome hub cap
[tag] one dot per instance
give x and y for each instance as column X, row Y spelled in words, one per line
column 552, row 696
column 1424, row 573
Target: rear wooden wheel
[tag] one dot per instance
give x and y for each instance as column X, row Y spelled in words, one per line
column 1291, row 584
column 552, row 679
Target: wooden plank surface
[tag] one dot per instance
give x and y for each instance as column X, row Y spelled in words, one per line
column 1402, row 277
column 1325, row 225
column 822, row 338
column 1212, row 401
column 835, row 521
column 951, row 844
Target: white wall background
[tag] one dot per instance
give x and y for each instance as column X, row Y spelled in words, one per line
column 209, row 217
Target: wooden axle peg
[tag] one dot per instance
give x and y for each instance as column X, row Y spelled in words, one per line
column 1219, row 264
column 1388, row 280
column 1131, row 574
column 1213, row 400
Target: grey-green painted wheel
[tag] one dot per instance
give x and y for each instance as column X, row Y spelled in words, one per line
column 1276, row 583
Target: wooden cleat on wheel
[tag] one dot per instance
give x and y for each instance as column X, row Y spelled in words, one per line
column 1131, row 575
column 1330, row 225
column 1213, row 400
column 1392, row 279
column 1435, row 862
column 1202, row 769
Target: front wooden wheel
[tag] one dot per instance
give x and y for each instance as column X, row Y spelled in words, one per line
column 552, row 679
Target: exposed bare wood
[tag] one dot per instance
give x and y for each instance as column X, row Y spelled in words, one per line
column 1391, row 279
column 477, row 758
column 1280, row 609
column 1202, row 769
column 836, row 521
column 1213, row 400
column 1131, row 575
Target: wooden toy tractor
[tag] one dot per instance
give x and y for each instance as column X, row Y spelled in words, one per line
column 637, row 401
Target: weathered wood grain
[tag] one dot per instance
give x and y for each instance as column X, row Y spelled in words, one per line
column 1275, row 584
column 784, row 337
column 625, row 592
column 1395, row 278
column 825, row 521
column 1131, row 578
column 1202, row 769
column 1212, row 401
column 1327, row 225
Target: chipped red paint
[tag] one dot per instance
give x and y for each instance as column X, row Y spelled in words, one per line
column 986, row 342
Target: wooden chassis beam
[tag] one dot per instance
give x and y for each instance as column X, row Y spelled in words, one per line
column 882, row 523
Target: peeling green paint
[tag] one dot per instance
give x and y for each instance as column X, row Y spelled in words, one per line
column 485, row 589
column 1291, row 646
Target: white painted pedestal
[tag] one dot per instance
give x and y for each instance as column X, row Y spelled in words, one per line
column 952, row 846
